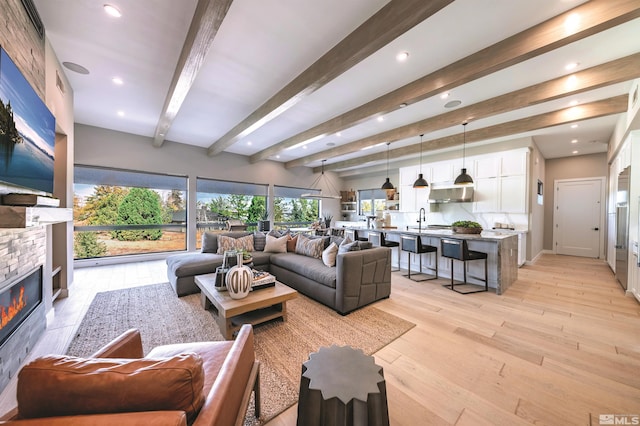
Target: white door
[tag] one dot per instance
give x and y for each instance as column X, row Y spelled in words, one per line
column 578, row 216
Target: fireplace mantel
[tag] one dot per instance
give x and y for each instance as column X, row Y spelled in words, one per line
column 25, row 217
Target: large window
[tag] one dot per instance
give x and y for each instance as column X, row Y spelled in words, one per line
column 293, row 211
column 371, row 201
column 120, row 212
column 220, row 200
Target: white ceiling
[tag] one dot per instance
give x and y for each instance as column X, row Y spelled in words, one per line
column 263, row 45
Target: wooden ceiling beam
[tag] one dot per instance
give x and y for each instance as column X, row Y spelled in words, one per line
column 595, row 16
column 204, row 26
column 616, row 71
column 615, row 105
column 391, row 21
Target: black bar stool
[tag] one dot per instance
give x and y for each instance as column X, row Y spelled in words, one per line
column 413, row 244
column 458, row 250
column 377, row 239
column 353, row 234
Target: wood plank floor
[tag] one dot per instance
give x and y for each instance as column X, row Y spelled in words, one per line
column 560, row 347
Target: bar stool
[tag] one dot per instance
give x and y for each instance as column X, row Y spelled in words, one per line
column 377, row 239
column 413, row 244
column 353, row 234
column 458, row 250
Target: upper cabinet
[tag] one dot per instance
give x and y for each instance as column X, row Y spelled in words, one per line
column 501, row 182
column 486, row 167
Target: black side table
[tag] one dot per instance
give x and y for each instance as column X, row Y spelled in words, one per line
column 342, row 386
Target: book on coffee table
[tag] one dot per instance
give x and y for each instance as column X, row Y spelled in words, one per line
column 262, row 279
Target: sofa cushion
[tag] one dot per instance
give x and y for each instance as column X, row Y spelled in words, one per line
column 276, row 244
column 210, row 240
column 308, row 267
column 226, row 243
column 347, row 245
column 59, row 385
column 261, row 258
column 310, row 247
column 190, row 264
column 329, row 255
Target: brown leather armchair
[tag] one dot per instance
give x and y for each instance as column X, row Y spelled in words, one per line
column 231, row 373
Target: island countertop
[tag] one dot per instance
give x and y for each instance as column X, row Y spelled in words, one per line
column 500, row 245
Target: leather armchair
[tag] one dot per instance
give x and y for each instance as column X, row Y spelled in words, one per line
column 231, row 373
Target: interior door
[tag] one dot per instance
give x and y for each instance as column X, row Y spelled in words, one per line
column 578, row 213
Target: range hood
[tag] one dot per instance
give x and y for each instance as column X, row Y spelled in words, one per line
column 451, row 194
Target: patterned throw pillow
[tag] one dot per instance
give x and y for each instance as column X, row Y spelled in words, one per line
column 348, row 245
column 228, row 243
column 308, row 247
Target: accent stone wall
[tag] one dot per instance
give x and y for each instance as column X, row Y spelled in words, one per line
column 21, row 251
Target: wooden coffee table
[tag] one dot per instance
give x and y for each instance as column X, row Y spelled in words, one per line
column 259, row 306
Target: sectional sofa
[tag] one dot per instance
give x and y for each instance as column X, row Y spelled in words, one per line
column 358, row 278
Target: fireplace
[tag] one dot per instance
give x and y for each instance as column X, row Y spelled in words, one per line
column 17, row 301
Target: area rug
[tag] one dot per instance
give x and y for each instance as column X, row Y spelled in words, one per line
column 281, row 347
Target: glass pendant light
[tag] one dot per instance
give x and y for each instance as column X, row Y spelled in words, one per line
column 420, row 182
column 387, row 184
column 464, row 178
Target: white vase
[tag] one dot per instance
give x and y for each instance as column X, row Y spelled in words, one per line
column 239, row 279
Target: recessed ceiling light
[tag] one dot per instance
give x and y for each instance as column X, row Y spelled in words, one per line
column 574, row 141
column 574, row 126
column 574, row 152
column 445, row 95
column 117, row 80
column 339, row 134
column 571, row 66
column 111, row 10
column 380, row 119
column 277, row 156
column 452, row 104
column 402, row 56
column 304, row 147
column 403, row 105
column 573, row 103
column 249, row 143
column 120, row 113
column 75, row 67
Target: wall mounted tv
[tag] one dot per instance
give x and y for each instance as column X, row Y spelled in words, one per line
column 27, row 132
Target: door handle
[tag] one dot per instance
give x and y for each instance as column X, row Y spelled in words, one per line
column 596, row 229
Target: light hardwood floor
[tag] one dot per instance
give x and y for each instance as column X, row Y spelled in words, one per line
column 560, row 347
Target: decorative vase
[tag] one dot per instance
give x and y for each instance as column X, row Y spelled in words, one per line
column 239, row 279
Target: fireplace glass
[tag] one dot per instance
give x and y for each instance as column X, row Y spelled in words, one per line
column 18, row 301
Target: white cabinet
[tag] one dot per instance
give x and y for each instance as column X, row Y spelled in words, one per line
column 513, row 194
column 442, row 172
column 522, row 248
column 513, row 163
column 412, row 199
column 408, row 175
column 486, row 195
column 486, row 167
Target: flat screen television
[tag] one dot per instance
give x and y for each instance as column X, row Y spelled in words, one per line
column 27, row 132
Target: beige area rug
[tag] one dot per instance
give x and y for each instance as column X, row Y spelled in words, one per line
column 281, row 347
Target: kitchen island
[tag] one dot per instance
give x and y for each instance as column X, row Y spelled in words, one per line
column 501, row 248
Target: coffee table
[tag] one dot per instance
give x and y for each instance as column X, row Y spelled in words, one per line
column 258, row 307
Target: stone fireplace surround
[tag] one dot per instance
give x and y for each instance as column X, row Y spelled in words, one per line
column 21, row 251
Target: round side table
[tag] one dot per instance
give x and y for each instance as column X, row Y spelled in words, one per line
column 342, row 386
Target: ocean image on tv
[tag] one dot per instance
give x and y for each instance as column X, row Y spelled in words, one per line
column 27, row 132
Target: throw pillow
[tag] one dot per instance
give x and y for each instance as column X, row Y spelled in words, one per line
column 348, row 245
column 259, row 240
column 228, row 243
column 308, row 247
column 329, row 255
column 58, row 385
column 277, row 234
column 276, row 245
column 291, row 243
column 365, row 245
column 336, row 239
column 209, row 242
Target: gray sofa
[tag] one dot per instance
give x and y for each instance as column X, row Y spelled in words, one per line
column 359, row 277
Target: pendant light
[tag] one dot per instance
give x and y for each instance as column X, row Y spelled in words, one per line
column 317, row 194
column 387, row 184
column 464, row 178
column 420, row 182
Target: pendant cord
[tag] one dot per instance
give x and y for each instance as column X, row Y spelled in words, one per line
column 421, row 152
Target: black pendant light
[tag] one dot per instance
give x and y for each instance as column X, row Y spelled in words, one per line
column 464, row 178
column 387, row 184
column 420, row 182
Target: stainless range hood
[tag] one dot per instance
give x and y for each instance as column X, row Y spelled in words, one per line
column 451, row 194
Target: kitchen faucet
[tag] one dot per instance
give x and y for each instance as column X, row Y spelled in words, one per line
column 422, row 216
